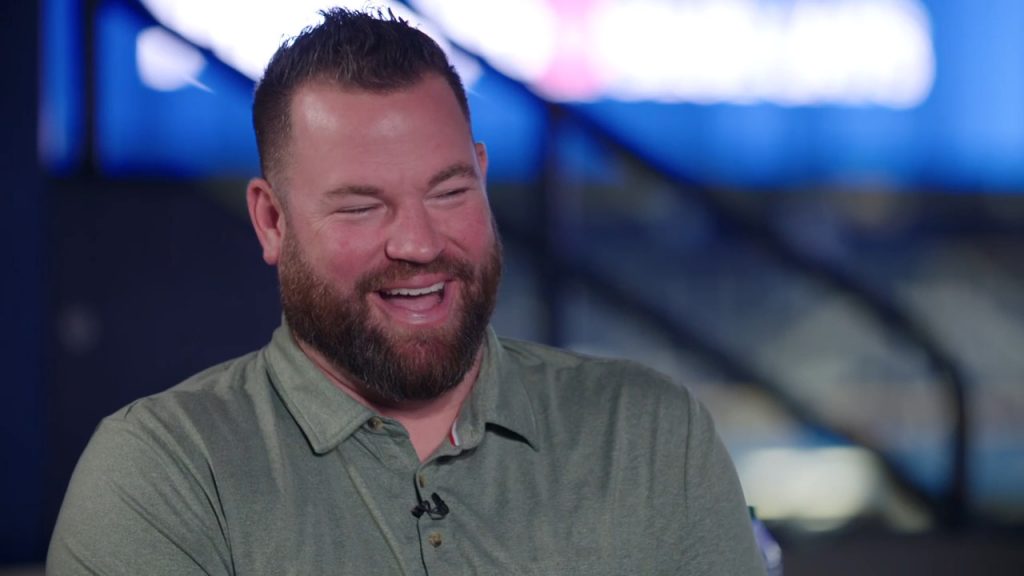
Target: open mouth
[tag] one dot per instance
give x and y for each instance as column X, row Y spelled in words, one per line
column 415, row 299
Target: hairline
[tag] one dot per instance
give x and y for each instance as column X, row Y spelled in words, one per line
column 275, row 173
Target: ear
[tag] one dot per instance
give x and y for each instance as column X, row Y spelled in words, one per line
column 267, row 218
column 481, row 159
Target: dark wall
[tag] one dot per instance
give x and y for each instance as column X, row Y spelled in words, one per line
column 22, row 439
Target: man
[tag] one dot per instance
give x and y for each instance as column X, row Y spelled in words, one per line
column 385, row 429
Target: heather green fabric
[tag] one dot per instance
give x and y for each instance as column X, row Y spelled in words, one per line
column 565, row 465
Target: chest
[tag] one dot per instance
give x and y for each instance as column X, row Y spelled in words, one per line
column 509, row 510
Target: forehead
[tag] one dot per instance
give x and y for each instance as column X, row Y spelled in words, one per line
column 341, row 135
column 322, row 108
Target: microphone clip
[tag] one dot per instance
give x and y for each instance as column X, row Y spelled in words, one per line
column 436, row 510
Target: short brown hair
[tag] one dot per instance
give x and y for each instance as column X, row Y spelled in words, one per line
column 377, row 52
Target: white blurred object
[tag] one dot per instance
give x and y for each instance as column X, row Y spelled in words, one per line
column 165, row 62
column 245, row 33
column 784, row 52
column 820, row 488
column 787, row 52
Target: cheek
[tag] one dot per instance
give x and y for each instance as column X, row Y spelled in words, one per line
column 475, row 231
column 485, row 237
column 345, row 256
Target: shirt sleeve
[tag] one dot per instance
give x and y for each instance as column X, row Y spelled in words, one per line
column 719, row 534
column 138, row 503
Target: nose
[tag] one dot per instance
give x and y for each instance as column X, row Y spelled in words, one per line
column 414, row 237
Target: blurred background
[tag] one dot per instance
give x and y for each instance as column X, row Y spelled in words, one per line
column 809, row 212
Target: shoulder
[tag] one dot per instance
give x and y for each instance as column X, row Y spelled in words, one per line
column 583, row 385
column 213, row 390
column 548, row 366
column 146, row 482
column 191, row 415
column 179, row 435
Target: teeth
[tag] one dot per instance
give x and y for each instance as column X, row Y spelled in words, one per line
column 415, row 291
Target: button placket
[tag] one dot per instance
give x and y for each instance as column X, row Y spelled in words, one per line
column 389, row 443
column 437, row 529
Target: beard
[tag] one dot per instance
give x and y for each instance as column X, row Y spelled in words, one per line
column 390, row 366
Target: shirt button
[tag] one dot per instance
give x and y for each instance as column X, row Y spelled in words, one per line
column 422, row 479
column 435, row 539
column 375, row 424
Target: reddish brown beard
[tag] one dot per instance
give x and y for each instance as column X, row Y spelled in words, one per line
column 388, row 368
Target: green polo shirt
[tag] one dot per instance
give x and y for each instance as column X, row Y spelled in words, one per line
column 558, row 464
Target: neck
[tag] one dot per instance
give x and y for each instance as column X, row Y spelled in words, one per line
column 427, row 422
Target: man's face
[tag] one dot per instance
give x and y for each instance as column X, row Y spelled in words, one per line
column 389, row 261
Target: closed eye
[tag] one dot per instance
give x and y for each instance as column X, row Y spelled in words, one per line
column 356, row 210
column 452, row 193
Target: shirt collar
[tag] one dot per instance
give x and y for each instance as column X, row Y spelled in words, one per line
column 328, row 416
column 498, row 398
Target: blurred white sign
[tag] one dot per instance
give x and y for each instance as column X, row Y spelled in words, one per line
column 786, row 52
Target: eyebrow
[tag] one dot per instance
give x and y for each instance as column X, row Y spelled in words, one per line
column 459, row 169
column 455, row 170
column 353, row 190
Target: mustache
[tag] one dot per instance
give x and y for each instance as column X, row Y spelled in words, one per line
column 394, row 272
